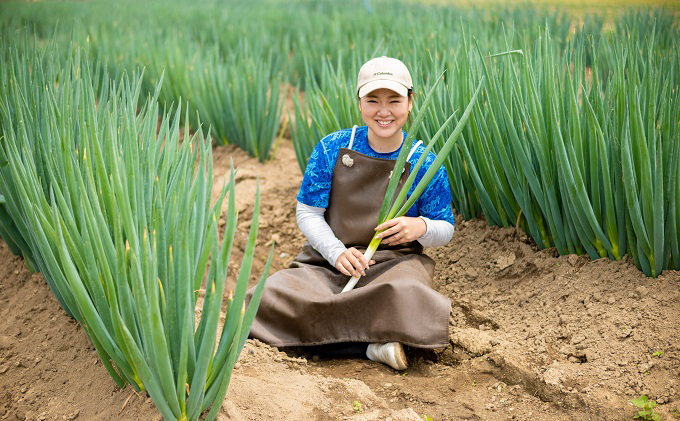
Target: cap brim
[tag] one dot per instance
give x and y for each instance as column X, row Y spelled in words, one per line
column 383, row 84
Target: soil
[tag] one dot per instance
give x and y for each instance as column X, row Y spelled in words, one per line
column 533, row 336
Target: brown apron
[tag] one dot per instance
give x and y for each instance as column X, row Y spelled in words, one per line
column 302, row 305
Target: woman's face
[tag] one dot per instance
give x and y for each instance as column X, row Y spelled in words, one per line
column 385, row 112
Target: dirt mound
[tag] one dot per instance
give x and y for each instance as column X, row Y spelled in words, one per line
column 534, row 336
column 570, row 330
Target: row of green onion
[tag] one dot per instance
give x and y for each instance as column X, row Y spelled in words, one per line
column 577, row 144
column 114, row 209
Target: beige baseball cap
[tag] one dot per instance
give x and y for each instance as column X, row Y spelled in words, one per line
column 384, row 72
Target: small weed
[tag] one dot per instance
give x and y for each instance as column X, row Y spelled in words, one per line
column 426, row 418
column 404, row 374
column 658, row 354
column 646, row 407
column 676, row 414
column 474, row 383
column 356, row 405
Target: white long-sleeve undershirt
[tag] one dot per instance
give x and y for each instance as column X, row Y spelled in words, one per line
column 311, row 221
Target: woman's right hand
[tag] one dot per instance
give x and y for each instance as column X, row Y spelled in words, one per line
column 353, row 263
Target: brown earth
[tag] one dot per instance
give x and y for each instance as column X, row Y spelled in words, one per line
column 533, row 336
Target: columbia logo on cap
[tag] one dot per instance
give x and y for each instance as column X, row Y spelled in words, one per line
column 382, row 73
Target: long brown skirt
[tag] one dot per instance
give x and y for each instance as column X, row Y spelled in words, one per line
column 302, row 305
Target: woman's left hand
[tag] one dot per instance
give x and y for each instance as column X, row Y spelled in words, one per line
column 401, row 230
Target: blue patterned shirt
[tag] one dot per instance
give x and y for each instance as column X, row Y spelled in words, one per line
column 434, row 203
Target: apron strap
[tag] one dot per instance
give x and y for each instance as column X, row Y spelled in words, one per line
column 351, row 139
column 413, row 149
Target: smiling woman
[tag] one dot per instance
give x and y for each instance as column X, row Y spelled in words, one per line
column 385, row 101
column 338, row 211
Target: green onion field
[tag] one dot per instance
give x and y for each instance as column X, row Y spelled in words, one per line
column 151, row 152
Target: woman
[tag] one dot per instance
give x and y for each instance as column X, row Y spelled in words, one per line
column 338, row 206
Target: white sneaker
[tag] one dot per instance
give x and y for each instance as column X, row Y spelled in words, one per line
column 391, row 353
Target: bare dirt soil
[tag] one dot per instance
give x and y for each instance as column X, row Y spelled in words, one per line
column 533, row 336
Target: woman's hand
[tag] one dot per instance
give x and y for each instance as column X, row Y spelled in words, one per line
column 352, row 262
column 401, row 230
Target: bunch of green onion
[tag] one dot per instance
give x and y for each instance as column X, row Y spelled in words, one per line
column 240, row 97
column 116, row 213
column 237, row 95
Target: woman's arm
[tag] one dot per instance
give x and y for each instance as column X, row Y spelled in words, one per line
column 313, row 225
column 319, row 234
column 439, row 232
column 430, row 219
column 428, row 232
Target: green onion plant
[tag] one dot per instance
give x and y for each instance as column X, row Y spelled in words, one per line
column 116, row 211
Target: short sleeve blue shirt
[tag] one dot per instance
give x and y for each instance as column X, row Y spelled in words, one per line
column 434, row 203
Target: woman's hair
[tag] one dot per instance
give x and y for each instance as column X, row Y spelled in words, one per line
column 410, row 96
